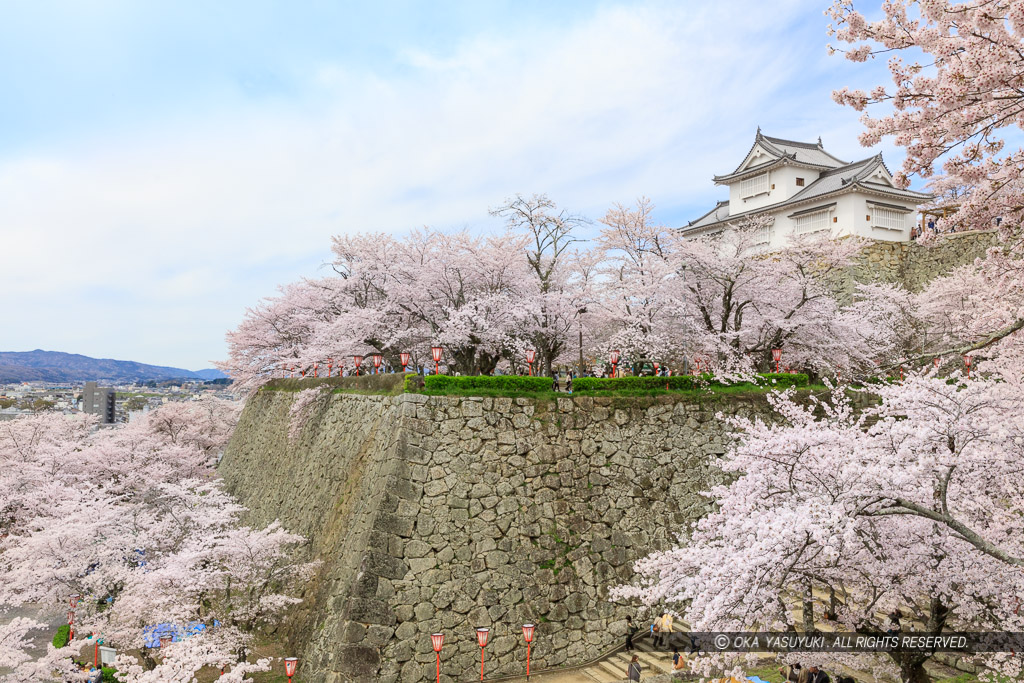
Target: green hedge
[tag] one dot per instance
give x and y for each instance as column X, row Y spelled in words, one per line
column 108, row 674
column 497, row 382
column 680, row 382
column 61, row 637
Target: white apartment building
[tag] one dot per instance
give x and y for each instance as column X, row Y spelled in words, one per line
column 806, row 189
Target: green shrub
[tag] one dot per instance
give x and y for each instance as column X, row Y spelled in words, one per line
column 681, row 382
column 108, row 674
column 60, row 639
column 510, row 383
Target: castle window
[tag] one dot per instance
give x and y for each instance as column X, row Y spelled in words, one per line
column 799, row 182
column 751, row 187
column 812, row 222
column 887, row 218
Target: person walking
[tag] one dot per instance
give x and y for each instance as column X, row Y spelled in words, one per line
column 554, row 380
column 631, row 630
column 568, row 382
column 633, row 670
column 666, row 628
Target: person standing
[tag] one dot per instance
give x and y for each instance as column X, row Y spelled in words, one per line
column 554, row 380
column 631, row 630
column 568, row 382
column 633, row 670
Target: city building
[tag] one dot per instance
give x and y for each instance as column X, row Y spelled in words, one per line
column 99, row 401
column 806, row 189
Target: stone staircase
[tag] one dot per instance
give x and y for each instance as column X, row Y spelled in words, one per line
column 612, row 668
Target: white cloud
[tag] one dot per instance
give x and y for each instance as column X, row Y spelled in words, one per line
column 136, row 239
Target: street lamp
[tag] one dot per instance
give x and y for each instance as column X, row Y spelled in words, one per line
column 481, row 638
column 377, row 360
column 967, row 362
column 777, row 357
column 528, row 635
column 615, row 363
column 330, row 366
column 435, row 353
column 437, row 640
column 405, row 360
column 290, row 664
column 358, row 360
column 71, row 625
column 531, row 354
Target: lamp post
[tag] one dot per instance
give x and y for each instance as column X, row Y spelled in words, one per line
column 437, row 640
column 967, row 362
column 615, row 363
column 777, row 357
column 531, row 355
column 71, row 625
column 528, row 635
column 330, row 366
column 358, row 360
column 291, row 371
column 481, row 638
column 377, row 360
column 316, row 366
column 96, row 649
column 435, row 353
column 290, row 664
column 405, row 360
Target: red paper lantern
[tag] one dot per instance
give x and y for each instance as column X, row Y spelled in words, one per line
column 377, row 360
column 530, row 355
column 777, row 356
column 435, row 353
column 165, row 641
column 615, row 357
column 935, row 362
column 481, row 638
column 528, row 635
column 405, row 360
column 358, row 360
column 967, row 362
column 290, row 665
column 437, row 640
column 74, row 600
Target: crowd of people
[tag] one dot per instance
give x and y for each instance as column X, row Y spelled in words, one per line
column 661, row 630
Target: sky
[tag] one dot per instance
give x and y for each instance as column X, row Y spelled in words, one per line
column 164, row 165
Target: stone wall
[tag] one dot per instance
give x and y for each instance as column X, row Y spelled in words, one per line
column 914, row 265
column 448, row 513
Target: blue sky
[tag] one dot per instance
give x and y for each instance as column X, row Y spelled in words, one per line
column 165, row 165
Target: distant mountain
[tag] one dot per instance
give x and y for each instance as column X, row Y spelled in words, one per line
column 54, row 366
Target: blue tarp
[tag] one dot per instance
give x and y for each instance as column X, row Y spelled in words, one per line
column 151, row 634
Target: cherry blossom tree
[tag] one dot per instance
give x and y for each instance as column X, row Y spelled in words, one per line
column 134, row 520
column 552, row 303
column 912, row 505
column 957, row 69
column 640, row 265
